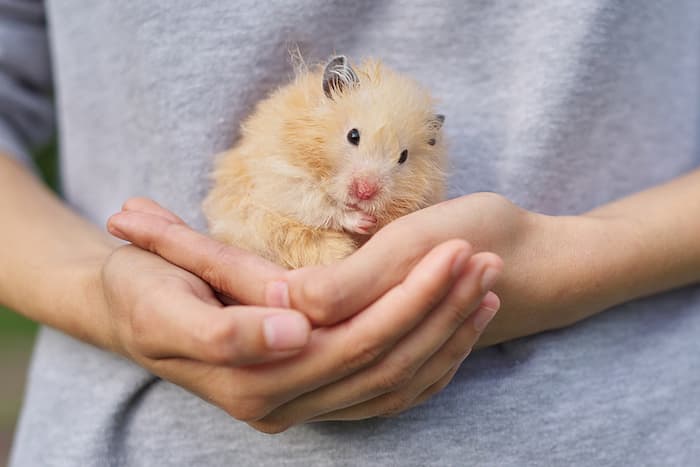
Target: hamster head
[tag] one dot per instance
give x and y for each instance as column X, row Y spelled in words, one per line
column 371, row 138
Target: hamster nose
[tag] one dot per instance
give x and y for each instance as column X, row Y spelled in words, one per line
column 363, row 188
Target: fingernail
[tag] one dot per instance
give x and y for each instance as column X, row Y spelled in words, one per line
column 277, row 294
column 491, row 300
column 113, row 229
column 459, row 262
column 287, row 331
column 489, row 278
column 483, row 318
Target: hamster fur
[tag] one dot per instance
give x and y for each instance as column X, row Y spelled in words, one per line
column 326, row 160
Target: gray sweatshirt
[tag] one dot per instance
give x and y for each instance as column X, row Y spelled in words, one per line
column 560, row 105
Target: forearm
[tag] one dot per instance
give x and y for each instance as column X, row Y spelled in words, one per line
column 561, row 269
column 665, row 241
column 636, row 246
column 50, row 261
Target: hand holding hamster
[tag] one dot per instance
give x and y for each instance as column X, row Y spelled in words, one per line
column 409, row 332
column 327, row 160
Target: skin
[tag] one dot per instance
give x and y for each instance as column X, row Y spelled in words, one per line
column 633, row 247
column 403, row 347
column 379, row 361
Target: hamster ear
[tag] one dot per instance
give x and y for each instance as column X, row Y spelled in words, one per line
column 435, row 124
column 439, row 121
column 338, row 75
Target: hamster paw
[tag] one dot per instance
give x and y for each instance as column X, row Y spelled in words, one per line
column 359, row 222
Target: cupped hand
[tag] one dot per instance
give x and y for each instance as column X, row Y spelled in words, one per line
column 551, row 278
column 158, row 311
column 554, row 265
column 397, row 348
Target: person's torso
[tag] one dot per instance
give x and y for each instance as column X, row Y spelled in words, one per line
column 558, row 105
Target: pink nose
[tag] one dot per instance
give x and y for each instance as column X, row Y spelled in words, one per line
column 362, row 188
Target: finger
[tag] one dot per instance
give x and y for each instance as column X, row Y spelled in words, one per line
column 333, row 293
column 400, row 366
column 235, row 272
column 148, row 206
column 482, row 317
column 337, row 351
column 485, row 315
column 179, row 325
column 430, row 391
column 429, row 380
column 249, row 393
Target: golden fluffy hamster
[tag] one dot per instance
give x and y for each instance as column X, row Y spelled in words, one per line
column 326, row 160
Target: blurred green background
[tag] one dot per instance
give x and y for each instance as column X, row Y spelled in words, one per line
column 17, row 334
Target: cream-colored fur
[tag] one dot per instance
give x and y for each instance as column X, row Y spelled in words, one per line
column 282, row 191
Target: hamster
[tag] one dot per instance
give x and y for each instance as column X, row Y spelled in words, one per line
column 325, row 161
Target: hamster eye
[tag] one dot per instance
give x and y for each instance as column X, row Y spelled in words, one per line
column 354, row 136
column 404, row 156
column 431, row 141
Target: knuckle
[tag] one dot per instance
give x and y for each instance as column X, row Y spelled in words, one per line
column 210, row 270
column 463, row 301
column 219, row 340
column 457, row 353
column 322, row 296
column 396, row 375
column 397, row 403
column 458, row 312
column 359, row 355
column 171, row 229
column 424, row 243
column 248, row 410
column 435, row 300
column 499, row 206
column 440, row 385
column 154, row 240
column 490, row 199
column 426, row 284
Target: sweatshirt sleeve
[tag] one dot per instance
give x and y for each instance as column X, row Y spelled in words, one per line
column 26, row 109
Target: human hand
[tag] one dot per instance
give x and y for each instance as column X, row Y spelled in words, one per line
column 552, row 277
column 559, row 269
column 554, row 265
column 327, row 295
column 156, row 311
column 401, row 349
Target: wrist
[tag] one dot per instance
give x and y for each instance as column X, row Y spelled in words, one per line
column 96, row 324
column 586, row 264
column 72, row 300
column 50, row 257
column 558, row 270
